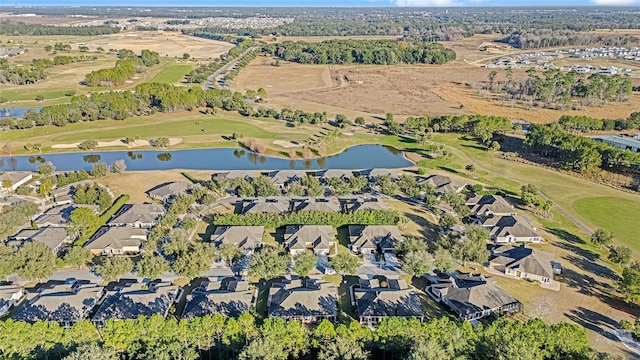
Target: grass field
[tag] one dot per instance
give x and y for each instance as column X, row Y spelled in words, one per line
column 172, row 73
column 621, row 216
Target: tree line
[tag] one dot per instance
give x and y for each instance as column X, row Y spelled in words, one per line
column 483, row 127
column 540, row 38
column 378, row 52
column 583, row 124
column 128, row 65
column 25, row 74
column 335, row 219
column 20, row 29
column 578, row 153
column 560, row 89
column 220, row 337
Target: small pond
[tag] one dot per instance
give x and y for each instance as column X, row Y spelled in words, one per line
column 357, row 157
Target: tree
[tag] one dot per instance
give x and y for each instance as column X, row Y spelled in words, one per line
column 161, row 142
column 99, row 169
column 114, row 267
column 470, row 168
column 45, row 169
column 342, row 348
column 474, row 246
column 8, row 260
column 620, row 255
column 268, row 263
column 304, row 262
column 45, row 186
column 195, row 261
column 35, row 261
column 359, row 120
column 264, row 349
column 88, row 145
column 492, row 77
column 409, row 245
column 417, row 263
column 151, row 266
column 118, row 166
column 92, row 351
column 230, row 253
column 345, row 263
column 601, row 237
column 264, row 187
column 444, row 261
column 78, row 256
column 186, row 56
column 428, row 350
column 630, row 283
column 446, row 221
column 83, row 222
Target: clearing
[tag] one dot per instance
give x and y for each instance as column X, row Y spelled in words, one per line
column 167, row 44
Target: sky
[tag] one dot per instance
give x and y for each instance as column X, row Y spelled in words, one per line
column 333, row 3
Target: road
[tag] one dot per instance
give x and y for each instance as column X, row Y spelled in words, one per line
column 213, row 79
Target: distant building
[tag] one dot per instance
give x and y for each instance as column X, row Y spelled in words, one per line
column 624, row 143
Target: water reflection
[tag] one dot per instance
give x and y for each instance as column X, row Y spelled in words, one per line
column 164, row 157
column 238, row 153
column 91, row 159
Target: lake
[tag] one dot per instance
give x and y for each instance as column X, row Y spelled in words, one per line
column 353, row 158
column 17, row 112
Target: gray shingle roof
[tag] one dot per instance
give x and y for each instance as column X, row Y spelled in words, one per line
column 291, row 299
column 169, row 190
column 286, row 176
column 246, row 237
column 116, row 237
column 60, row 303
column 524, row 259
column 388, row 302
column 475, row 295
column 370, row 236
column 137, row 300
column 490, row 204
column 502, row 226
column 317, row 204
column 52, row 237
column 137, row 213
column 267, row 206
column 233, row 301
column 320, row 237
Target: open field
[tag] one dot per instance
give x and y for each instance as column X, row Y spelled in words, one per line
column 172, row 73
column 409, row 90
column 619, row 215
column 167, row 44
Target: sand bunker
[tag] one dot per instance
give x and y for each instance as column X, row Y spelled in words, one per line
column 285, row 144
column 118, row 142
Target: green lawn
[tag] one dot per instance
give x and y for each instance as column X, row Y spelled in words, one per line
column 617, row 215
column 172, row 73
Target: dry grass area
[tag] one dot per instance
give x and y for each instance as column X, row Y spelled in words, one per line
column 47, row 20
column 135, row 183
column 372, row 91
column 167, row 44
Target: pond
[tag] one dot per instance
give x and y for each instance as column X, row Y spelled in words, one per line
column 17, row 112
column 357, row 157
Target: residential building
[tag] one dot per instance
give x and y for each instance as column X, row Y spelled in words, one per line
column 506, row 229
column 60, row 215
column 485, row 205
column 300, row 238
column 375, row 302
column 138, row 215
column 442, row 184
column 65, row 304
column 367, row 239
column 307, row 303
column 277, row 205
column 282, row 178
column 115, row 240
column 213, row 298
column 236, row 174
column 316, row 204
column 14, row 179
column 372, row 174
column 472, row 297
column 335, row 173
column 64, row 194
column 167, row 191
column 137, row 299
column 10, row 296
column 52, row 237
column 247, row 238
column 524, row 263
